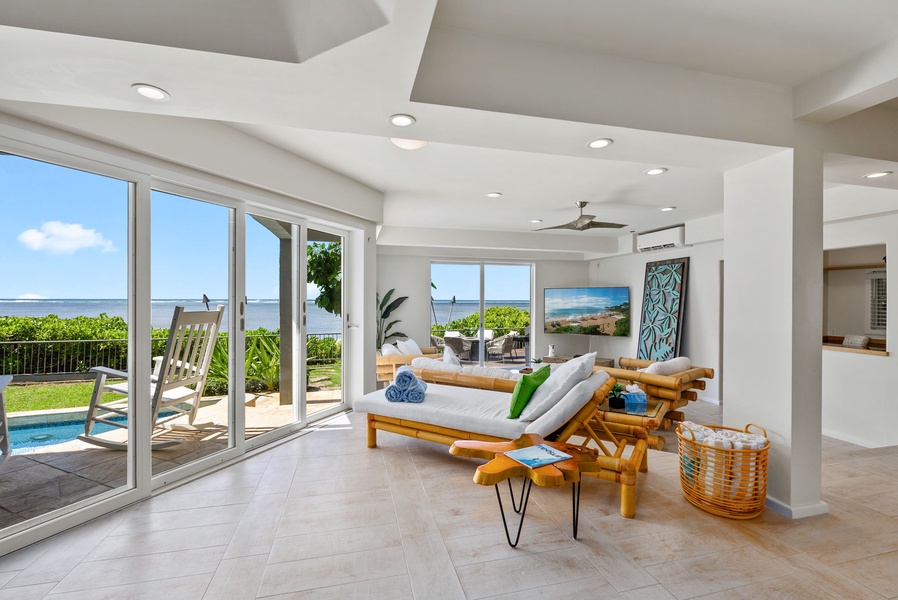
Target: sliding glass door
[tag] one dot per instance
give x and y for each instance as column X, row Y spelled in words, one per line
column 273, row 322
column 65, row 311
column 110, row 291
column 324, row 330
column 482, row 311
column 191, row 263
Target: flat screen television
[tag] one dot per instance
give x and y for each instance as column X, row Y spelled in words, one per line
column 588, row 310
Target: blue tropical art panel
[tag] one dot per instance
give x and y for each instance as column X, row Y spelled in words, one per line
column 663, row 307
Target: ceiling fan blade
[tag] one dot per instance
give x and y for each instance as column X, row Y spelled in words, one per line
column 603, row 225
column 565, row 226
column 582, row 221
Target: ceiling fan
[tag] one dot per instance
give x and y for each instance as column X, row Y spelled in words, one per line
column 584, row 222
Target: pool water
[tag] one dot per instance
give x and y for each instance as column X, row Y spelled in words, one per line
column 27, row 438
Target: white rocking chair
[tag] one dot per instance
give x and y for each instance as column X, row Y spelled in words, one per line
column 188, row 352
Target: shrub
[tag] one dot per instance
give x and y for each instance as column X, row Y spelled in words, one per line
column 503, row 318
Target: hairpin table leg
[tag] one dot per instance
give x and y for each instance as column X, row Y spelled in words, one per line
column 575, row 506
column 517, row 508
column 526, row 496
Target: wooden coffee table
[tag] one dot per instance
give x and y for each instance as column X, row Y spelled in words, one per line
column 502, row 468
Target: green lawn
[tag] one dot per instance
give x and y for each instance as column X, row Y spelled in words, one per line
column 331, row 371
column 46, row 396
column 49, row 396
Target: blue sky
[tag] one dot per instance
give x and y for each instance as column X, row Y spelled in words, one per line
column 64, row 235
column 501, row 282
column 63, row 232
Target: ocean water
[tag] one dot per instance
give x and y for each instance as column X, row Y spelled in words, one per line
column 259, row 313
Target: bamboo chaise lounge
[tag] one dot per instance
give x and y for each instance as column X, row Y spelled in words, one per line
column 489, row 398
column 386, row 366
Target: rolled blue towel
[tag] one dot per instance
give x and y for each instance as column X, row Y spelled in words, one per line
column 405, row 378
column 394, row 394
column 415, row 394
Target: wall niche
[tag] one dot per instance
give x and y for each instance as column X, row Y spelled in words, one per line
column 854, row 295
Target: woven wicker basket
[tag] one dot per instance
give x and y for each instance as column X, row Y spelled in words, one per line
column 723, row 481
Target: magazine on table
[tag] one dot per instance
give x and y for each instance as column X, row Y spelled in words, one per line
column 537, row 456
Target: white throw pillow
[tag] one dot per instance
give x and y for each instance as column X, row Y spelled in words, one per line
column 389, row 350
column 449, row 356
column 408, row 347
column 559, row 383
column 568, row 406
column 669, row 367
column 432, row 364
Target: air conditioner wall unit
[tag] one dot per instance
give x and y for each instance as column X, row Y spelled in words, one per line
column 657, row 240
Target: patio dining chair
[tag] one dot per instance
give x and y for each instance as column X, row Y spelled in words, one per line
column 176, row 386
column 459, row 345
column 502, row 346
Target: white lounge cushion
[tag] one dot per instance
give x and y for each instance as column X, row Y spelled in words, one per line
column 449, row 356
column 568, row 406
column 408, row 346
column 669, row 367
column 559, row 383
column 432, row 364
column 389, row 350
column 467, row 409
column 496, row 372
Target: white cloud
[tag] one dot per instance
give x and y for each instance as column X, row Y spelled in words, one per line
column 57, row 237
column 31, row 297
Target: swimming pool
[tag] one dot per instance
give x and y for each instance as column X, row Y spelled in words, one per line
column 27, row 438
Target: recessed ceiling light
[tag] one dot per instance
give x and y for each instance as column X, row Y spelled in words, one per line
column 408, row 144
column 600, row 143
column 401, row 120
column 494, row 195
column 658, row 171
column 150, row 91
column 668, row 208
column 536, row 220
column 877, row 174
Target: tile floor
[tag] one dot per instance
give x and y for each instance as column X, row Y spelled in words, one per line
column 322, row 516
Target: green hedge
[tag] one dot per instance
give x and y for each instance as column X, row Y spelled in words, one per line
column 503, row 318
column 106, row 344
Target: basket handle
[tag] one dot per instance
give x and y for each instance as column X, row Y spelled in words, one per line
column 764, row 431
column 687, row 428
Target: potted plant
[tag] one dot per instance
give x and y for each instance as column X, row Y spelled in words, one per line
column 616, row 397
column 385, row 308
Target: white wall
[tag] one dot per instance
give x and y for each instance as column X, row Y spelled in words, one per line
column 858, row 389
column 409, row 276
column 556, row 273
column 846, row 298
column 701, row 327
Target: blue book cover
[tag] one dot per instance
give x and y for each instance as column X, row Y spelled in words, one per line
column 537, row 456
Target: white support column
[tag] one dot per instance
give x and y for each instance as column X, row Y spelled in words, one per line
column 773, row 264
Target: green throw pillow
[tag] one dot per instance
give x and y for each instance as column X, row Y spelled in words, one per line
column 524, row 390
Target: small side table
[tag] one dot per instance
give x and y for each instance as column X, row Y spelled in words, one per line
column 502, row 468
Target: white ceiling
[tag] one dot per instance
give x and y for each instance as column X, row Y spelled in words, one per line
column 320, row 78
column 784, row 43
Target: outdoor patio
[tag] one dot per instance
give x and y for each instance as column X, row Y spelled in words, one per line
column 58, row 475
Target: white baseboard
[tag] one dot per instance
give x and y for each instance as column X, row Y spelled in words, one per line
column 851, row 439
column 797, row 512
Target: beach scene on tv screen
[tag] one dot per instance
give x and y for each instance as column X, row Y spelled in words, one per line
column 588, row 311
